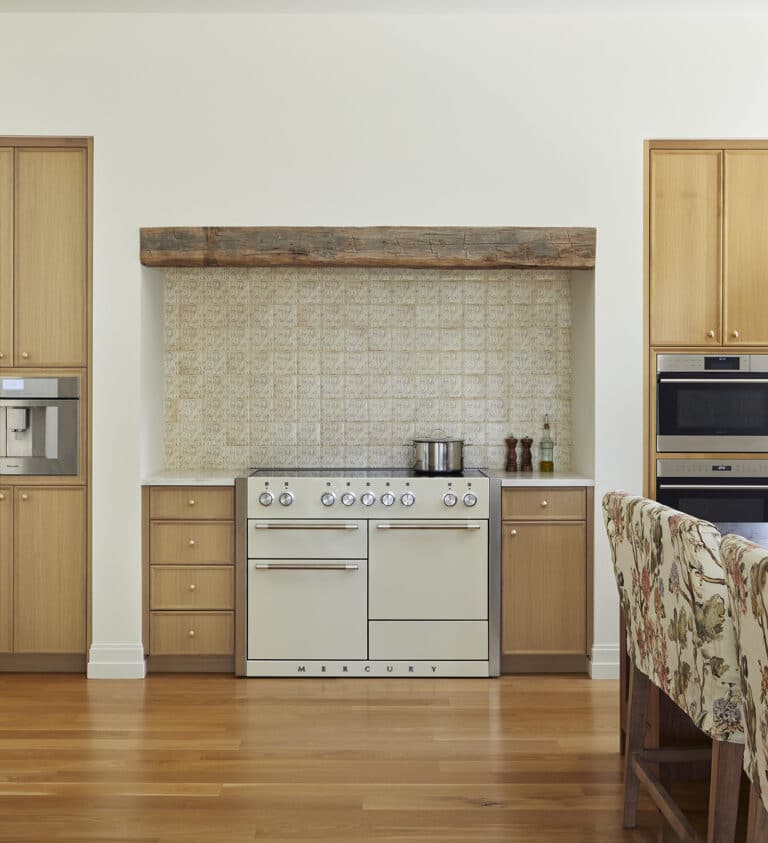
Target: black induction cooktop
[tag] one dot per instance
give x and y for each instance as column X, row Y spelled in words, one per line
column 360, row 472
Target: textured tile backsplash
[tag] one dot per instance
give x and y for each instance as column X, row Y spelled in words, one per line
column 341, row 367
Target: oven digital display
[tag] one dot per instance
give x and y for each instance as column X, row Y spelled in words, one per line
column 13, row 384
column 721, row 364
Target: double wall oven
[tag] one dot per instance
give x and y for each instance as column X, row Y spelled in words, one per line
column 709, row 407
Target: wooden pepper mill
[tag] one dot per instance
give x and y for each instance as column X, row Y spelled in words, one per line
column 526, row 457
column 511, row 454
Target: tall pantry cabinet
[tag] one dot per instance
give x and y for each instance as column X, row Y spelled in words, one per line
column 45, row 330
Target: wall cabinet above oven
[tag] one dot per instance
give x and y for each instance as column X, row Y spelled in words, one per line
column 707, row 250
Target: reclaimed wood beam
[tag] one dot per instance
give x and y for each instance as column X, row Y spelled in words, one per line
column 384, row 246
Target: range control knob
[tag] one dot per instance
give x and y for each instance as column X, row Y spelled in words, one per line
column 470, row 499
column 348, row 498
column 368, row 499
column 449, row 499
column 327, row 499
column 387, row 498
column 407, row 499
column 286, row 498
column 266, row 498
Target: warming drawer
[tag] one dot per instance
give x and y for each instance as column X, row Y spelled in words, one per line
column 428, row 639
column 307, row 539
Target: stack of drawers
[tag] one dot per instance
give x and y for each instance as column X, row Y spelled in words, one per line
column 190, row 537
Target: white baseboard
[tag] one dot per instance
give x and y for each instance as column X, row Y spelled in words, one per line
column 604, row 663
column 116, row 661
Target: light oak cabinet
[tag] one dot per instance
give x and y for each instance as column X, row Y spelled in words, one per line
column 189, row 552
column 43, row 554
column 6, row 570
column 708, row 247
column 44, row 232
column 546, row 579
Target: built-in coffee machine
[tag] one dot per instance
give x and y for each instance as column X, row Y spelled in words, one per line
column 39, row 425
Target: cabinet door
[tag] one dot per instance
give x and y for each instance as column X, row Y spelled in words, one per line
column 6, row 570
column 6, row 257
column 685, row 247
column 543, row 592
column 49, row 570
column 746, row 247
column 51, row 257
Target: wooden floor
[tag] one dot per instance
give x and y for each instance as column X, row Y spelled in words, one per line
column 217, row 759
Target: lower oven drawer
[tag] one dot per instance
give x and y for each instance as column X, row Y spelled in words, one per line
column 428, row 570
column 191, row 633
column 307, row 609
column 412, row 640
column 304, row 539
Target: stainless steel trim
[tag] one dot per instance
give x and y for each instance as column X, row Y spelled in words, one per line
column 703, row 469
column 428, row 526
column 241, row 575
column 695, row 362
column 297, row 566
column 272, row 526
column 494, row 578
column 23, row 387
column 744, row 444
column 710, row 486
column 708, row 381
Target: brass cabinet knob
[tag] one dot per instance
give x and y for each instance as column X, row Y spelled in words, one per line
column 2, row 496
column 191, row 633
column 192, row 586
column 545, row 503
column 711, row 334
column 25, row 355
column 2, row 355
column 191, row 542
column 25, row 496
column 513, row 532
column 735, row 334
column 191, row 501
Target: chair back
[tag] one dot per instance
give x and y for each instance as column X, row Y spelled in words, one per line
column 676, row 609
column 746, row 572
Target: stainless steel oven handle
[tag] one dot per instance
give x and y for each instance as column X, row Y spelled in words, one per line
column 427, row 526
column 272, row 526
column 297, row 566
column 709, row 486
column 712, row 380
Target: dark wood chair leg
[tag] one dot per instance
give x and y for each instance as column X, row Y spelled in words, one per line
column 757, row 824
column 637, row 709
column 724, row 791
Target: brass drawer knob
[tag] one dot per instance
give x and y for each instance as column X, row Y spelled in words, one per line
column 711, row 334
column 191, row 633
column 545, row 504
column 735, row 334
column 25, row 496
column 191, row 542
column 2, row 496
column 192, row 587
column 2, row 355
column 513, row 532
column 25, row 355
column 191, row 501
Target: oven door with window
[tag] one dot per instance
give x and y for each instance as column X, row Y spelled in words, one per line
column 718, row 502
column 712, row 411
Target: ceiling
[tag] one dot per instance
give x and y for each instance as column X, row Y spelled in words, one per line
column 384, row 6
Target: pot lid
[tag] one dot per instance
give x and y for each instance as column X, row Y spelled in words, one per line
column 438, row 436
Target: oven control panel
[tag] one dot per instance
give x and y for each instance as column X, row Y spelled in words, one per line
column 375, row 497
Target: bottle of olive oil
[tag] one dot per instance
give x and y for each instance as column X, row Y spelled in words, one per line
column 546, row 448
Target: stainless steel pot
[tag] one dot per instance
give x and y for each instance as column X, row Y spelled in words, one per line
column 438, row 455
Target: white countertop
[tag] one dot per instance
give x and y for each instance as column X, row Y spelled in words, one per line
column 538, row 478
column 217, row 477
column 226, row 477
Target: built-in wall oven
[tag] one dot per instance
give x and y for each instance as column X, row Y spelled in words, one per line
column 712, row 403
column 732, row 494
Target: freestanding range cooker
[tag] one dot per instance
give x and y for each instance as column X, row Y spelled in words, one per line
column 364, row 572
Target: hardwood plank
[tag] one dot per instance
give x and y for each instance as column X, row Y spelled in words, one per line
column 203, row 758
column 427, row 247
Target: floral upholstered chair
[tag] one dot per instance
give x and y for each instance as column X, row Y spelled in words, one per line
column 746, row 571
column 680, row 637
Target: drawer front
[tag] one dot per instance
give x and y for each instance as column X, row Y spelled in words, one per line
column 173, row 503
column 191, row 633
column 191, row 587
column 307, row 539
column 411, row 640
column 192, row 542
column 542, row 504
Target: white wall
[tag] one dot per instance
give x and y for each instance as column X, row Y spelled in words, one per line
column 362, row 120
